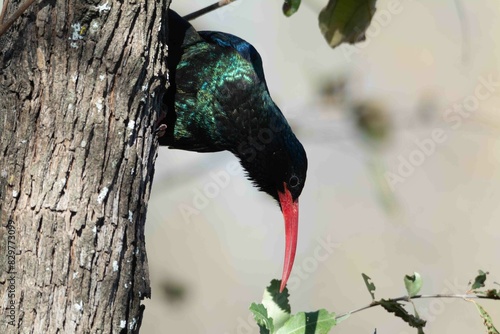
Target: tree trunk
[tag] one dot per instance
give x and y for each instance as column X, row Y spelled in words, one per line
column 81, row 86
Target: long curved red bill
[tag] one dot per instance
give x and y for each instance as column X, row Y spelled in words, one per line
column 290, row 209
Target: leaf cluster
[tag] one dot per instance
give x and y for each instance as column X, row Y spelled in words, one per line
column 273, row 314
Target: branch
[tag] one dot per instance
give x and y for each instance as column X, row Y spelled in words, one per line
column 407, row 299
column 14, row 17
column 207, row 9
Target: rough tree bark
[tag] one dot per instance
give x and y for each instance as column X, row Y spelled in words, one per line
column 81, row 86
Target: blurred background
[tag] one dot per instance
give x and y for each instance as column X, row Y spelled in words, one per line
column 402, row 133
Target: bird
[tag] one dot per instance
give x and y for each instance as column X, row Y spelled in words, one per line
column 218, row 100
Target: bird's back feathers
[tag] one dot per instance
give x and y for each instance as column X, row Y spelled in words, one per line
column 245, row 49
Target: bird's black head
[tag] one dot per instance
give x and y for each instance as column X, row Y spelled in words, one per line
column 275, row 160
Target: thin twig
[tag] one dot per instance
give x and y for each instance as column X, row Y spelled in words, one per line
column 15, row 16
column 4, row 10
column 207, row 9
column 407, row 299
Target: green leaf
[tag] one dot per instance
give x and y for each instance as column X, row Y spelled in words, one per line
column 319, row 322
column 413, row 284
column 488, row 323
column 346, row 20
column 290, row 7
column 260, row 315
column 369, row 285
column 276, row 304
column 400, row 312
column 479, row 280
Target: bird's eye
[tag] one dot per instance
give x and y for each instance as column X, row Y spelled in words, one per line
column 294, row 181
